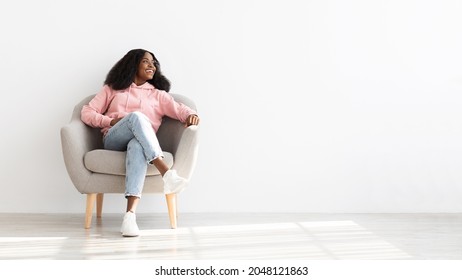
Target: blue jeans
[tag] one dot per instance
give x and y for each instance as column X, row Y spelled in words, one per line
column 135, row 135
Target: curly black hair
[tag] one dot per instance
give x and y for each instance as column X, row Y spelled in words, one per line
column 123, row 73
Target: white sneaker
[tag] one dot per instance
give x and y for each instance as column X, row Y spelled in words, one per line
column 129, row 226
column 173, row 183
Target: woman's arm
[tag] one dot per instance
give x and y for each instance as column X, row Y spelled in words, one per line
column 93, row 113
column 176, row 110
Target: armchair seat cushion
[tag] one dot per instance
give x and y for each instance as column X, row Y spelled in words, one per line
column 113, row 162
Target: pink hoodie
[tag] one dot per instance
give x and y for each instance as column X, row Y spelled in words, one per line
column 110, row 104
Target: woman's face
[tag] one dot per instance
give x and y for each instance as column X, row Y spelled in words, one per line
column 146, row 69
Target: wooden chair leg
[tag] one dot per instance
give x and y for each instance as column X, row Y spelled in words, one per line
column 99, row 205
column 91, row 197
column 177, row 213
column 172, row 208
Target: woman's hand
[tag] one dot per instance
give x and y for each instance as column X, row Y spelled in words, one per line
column 192, row 120
column 114, row 121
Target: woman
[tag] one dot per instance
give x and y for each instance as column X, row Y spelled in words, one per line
column 129, row 111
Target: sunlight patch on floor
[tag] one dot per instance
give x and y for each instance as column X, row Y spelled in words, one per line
column 342, row 239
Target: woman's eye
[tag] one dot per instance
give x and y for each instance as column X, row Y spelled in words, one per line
column 147, row 62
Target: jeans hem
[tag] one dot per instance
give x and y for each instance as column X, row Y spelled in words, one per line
column 159, row 156
column 129, row 194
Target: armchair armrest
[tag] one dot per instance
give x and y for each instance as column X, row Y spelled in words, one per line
column 76, row 140
column 186, row 151
column 182, row 142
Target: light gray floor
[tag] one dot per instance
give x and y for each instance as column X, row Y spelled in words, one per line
column 235, row 237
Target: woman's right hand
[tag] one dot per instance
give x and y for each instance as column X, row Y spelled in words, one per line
column 114, row 121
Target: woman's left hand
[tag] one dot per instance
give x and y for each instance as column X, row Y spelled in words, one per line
column 192, row 120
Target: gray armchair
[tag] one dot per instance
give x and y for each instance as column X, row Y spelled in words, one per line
column 95, row 171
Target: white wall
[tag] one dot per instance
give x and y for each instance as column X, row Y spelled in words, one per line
column 310, row 106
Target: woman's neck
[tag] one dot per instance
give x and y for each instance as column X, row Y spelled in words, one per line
column 139, row 82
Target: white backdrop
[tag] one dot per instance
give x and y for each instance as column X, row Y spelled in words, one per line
column 306, row 106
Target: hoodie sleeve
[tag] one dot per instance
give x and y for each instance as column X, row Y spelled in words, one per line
column 93, row 113
column 173, row 109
